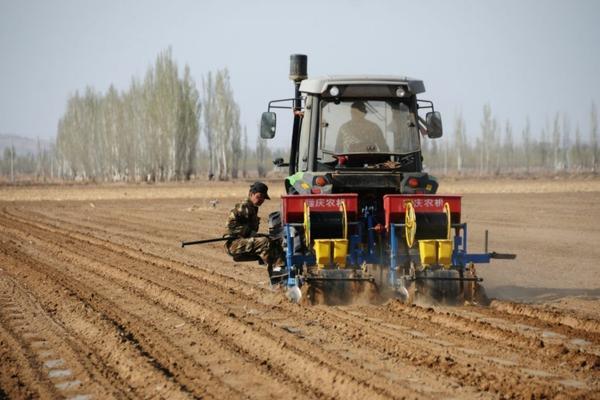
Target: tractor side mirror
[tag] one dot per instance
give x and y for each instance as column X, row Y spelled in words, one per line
column 434, row 124
column 268, row 121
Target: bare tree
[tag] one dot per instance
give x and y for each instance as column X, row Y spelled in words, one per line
column 188, row 126
column 526, row 134
column 594, row 137
column 236, row 142
column 245, row 154
column 222, row 126
column 488, row 138
column 459, row 142
column 223, row 117
column 262, row 151
column 566, row 144
column 544, row 146
column 209, row 121
column 578, row 158
column 556, row 143
column 508, row 149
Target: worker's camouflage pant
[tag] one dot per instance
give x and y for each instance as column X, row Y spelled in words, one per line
column 270, row 251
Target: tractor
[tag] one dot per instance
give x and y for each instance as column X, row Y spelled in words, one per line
column 360, row 217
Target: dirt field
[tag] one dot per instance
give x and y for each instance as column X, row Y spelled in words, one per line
column 97, row 300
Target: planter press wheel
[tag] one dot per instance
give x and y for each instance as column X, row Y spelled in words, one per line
column 448, row 220
column 307, row 224
column 410, row 224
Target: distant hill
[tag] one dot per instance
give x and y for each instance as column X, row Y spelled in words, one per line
column 23, row 145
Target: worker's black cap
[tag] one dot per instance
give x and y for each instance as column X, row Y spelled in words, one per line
column 259, row 187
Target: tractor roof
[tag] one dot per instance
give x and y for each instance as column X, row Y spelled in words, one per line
column 320, row 84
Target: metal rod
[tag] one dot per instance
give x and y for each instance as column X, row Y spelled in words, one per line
column 221, row 239
column 440, row 278
column 310, row 278
column 502, row 256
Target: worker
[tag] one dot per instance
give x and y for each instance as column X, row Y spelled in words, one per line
column 359, row 135
column 242, row 227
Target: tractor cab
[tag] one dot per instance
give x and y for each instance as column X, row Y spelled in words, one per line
column 359, row 134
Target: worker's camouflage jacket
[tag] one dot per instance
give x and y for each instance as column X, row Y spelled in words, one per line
column 242, row 224
column 243, row 220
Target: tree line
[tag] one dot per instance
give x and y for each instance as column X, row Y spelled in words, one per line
column 152, row 131
column 39, row 165
column 499, row 150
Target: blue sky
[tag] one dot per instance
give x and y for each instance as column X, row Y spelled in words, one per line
column 525, row 58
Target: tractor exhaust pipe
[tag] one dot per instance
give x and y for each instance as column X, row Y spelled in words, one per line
column 298, row 72
column 298, row 67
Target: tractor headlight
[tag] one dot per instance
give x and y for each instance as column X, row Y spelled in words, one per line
column 400, row 92
column 334, row 91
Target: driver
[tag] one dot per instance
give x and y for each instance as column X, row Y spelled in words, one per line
column 360, row 135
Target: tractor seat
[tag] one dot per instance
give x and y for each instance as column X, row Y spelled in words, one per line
column 248, row 257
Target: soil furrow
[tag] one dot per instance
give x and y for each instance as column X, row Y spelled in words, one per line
column 135, row 316
column 430, row 356
column 322, row 360
column 549, row 316
column 49, row 344
column 121, row 359
column 18, row 376
column 158, row 344
column 133, row 245
column 454, row 371
column 272, row 349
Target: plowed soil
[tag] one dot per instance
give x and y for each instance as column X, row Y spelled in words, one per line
column 98, row 300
